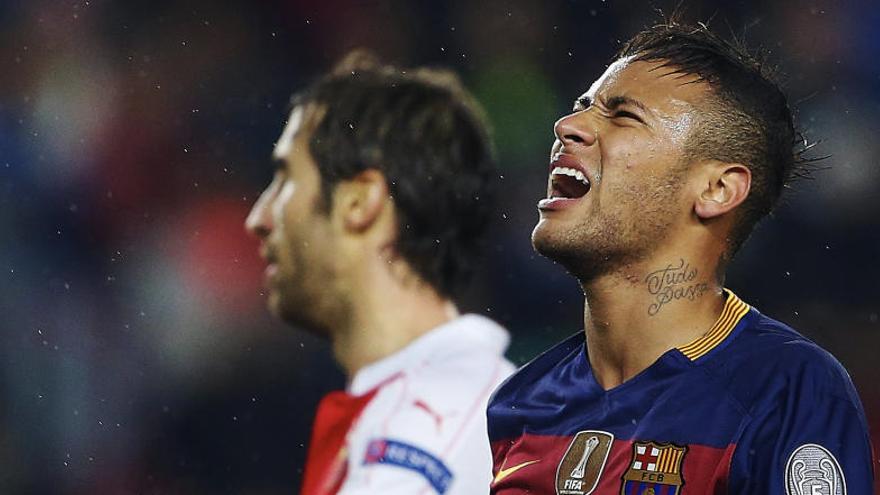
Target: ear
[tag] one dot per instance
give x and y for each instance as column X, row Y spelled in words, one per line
column 359, row 201
column 723, row 187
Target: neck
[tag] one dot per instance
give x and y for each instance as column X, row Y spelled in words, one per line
column 389, row 311
column 633, row 316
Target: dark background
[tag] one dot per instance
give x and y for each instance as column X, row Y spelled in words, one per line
column 137, row 355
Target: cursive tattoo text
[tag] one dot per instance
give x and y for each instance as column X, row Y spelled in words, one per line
column 672, row 283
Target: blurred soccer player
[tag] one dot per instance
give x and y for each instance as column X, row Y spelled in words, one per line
column 370, row 227
column 676, row 386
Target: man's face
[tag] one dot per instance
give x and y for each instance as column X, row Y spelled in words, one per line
column 296, row 235
column 616, row 169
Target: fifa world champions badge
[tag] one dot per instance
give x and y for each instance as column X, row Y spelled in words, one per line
column 581, row 467
column 813, row 470
column 655, row 469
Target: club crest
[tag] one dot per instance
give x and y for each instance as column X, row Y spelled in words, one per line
column 655, row 469
column 813, row 469
column 579, row 471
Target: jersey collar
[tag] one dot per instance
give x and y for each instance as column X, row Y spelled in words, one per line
column 733, row 312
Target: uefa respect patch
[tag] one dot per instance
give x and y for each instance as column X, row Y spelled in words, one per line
column 403, row 455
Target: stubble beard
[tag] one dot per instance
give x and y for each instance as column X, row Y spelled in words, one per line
column 296, row 308
column 607, row 242
column 307, row 299
column 593, row 249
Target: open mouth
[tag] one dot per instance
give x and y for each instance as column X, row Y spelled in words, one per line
column 569, row 183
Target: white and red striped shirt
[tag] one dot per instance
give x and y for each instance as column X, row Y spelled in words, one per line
column 414, row 422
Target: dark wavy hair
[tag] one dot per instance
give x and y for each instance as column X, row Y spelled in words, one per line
column 746, row 119
column 429, row 138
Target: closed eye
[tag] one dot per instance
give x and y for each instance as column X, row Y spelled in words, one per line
column 623, row 114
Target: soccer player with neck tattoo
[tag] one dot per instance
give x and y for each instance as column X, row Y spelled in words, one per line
column 676, row 385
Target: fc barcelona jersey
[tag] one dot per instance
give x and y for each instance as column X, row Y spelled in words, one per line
column 752, row 407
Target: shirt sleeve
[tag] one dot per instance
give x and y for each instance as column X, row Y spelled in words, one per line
column 809, row 440
column 425, row 447
column 397, row 467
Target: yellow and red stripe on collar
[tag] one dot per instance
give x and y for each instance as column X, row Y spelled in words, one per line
column 734, row 310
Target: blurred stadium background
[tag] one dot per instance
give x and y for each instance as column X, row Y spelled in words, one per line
column 137, row 355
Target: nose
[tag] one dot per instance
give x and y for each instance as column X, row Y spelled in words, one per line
column 259, row 220
column 575, row 128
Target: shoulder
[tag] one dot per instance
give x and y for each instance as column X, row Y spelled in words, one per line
column 441, row 395
column 427, row 426
column 458, row 374
column 459, row 386
column 769, row 361
column 539, row 371
column 802, row 408
column 546, row 379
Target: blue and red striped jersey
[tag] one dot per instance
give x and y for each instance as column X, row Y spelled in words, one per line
column 751, row 407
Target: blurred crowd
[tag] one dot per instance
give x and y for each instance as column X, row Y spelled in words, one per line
column 137, row 354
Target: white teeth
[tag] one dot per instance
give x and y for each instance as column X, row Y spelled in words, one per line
column 577, row 174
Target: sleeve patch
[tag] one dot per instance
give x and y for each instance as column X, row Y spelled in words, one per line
column 812, row 469
column 385, row 451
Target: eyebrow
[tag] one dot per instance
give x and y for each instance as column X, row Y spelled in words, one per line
column 612, row 103
column 618, row 101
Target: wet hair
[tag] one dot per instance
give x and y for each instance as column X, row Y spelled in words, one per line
column 746, row 118
column 428, row 137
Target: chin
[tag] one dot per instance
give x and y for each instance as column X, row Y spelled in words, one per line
column 540, row 242
column 297, row 313
column 542, row 236
column 555, row 244
column 275, row 303
column 301, row 320
column 555, row 247
column 584, row 256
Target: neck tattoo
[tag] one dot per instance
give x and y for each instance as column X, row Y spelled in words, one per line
column 675, row 281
